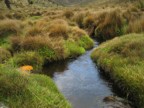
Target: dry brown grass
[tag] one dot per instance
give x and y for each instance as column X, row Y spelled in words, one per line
column 47, row 46
column 58, row 28
column 35, row 31
column 79, row 18
column 76, row 33
column 89, row 21
column 136, row 26
column 109, row 25
column 29, row 43
column 10, row 26
column 68, row 14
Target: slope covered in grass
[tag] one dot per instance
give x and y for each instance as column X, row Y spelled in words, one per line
column 22, row 90
column 123, row 59
column 50, row 40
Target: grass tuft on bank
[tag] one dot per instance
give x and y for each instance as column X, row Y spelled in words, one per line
column 21, row 90
column 123, row 59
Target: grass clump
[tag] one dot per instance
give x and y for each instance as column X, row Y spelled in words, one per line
column 89, row 21
column 9, row 26
column 136, row 26
column 109, row 25
column 58, row 28
column 28, row 90
column 4, row 55
column 122, row 58
column 42, row 45
column 79, row 18
column 74, row 49
column 68, row 14
column 86, row 42
column 28, row 58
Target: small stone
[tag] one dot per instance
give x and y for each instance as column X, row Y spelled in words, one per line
column 109, row 99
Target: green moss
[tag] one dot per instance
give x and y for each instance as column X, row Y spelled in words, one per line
column 122, row 58
column 36, row 17
column 47, row 54
column 86, row 42
column 19, row 90
column 74, row 49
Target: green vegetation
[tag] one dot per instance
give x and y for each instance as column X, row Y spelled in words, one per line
column 4, row 55
column 22, row 90
column 37, row 32
column 31, row 37
column 27, row 58
column 122, row 58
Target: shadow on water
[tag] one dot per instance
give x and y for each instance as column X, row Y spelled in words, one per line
column 82, row 84
column 56, row 67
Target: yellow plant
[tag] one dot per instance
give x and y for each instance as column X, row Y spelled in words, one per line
column 26, row 68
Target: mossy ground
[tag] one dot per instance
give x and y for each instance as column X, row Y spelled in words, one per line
column 122, row 58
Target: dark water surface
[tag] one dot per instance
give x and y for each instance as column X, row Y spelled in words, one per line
column 80, row 82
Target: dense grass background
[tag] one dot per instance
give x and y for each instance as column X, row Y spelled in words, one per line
column 41, row 32
column 123, row 59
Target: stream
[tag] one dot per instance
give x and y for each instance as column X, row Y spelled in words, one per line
column 82, row 84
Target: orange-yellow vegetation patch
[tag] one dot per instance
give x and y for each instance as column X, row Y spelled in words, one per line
column 26, row 68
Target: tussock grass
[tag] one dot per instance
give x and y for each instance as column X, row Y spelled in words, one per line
column 43, row 45
column 35, row 31
column 28, row 58
column 74, row 49
column 122, row 58
column 109, row 26
column 58, row 28
column 136, row 26
column 9, row 26
column 18, row 90
column 89, row 21
column 4, row 55
column 68, row 14
column 79, row 18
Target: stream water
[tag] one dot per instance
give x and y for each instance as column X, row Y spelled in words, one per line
column 81, row 83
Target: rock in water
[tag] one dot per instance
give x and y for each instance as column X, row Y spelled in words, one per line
column 116, row 102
